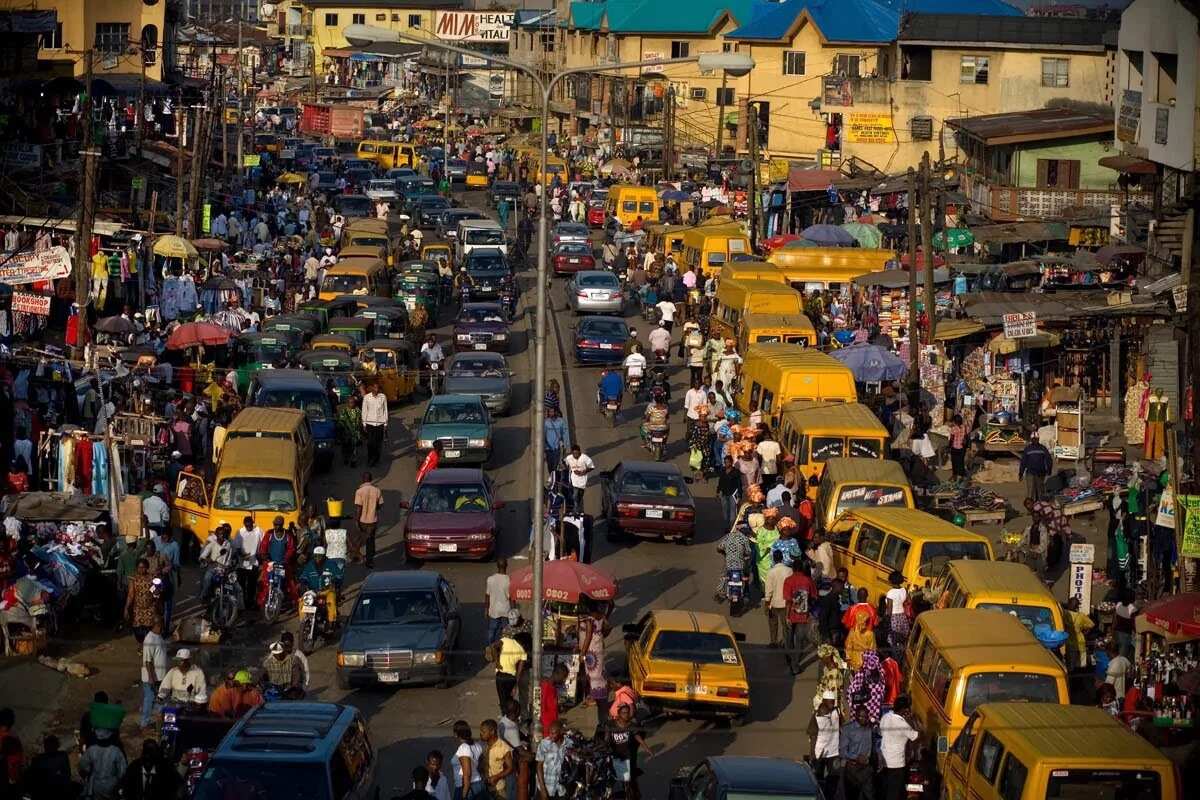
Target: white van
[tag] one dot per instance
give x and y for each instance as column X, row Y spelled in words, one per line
column 474, row 233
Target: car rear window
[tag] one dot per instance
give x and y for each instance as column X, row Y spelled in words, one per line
column 699, row 648
column 1008, row 687
column 653, row 484
column 597, row 280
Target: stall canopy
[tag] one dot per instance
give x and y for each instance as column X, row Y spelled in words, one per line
column 564, row 581
column 990, row 307
column 951, row 329
column 1016, row 232
column 898, row 278
column 1004, row 346
column 1178, row 614
column 56, row 507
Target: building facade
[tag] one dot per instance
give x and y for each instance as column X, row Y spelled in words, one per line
column 325, row 21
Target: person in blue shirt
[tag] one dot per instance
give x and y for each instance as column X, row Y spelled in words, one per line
column 323, row 577
column 611, row 387
column 558, row 439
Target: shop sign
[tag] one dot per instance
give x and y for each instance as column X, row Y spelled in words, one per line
column 474, row 26
column 1081, row 553
column 47, row 265
column 869, row 129
column 1162, row 123
column 1179, row 295
column 139, row 183
column 206, row 218
column 1129, row 115
column 1166, row 509
column 1020, row 324
column 837, row 91
column 473, row 61
column 1081, row 586
column 251, row 160
column 27, row 303
column 22, row 156
column 1190, row 505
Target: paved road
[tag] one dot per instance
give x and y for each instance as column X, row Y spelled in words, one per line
column 407, row 722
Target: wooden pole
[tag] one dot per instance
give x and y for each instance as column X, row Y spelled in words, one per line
column 914, row 370
column 88, row 163
column 927, row 245
column 180, row 131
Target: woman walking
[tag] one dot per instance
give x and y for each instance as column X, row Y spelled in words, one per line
column 468, row 783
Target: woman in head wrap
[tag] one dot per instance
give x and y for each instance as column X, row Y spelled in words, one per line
column 764, row 536
column 860, row 638
column 701, row 439
column 866, row 687
column 833, row 673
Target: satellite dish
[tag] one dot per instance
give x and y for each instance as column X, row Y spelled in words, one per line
column 746, row 166
column 266, row 10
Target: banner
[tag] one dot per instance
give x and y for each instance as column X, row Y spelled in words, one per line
column 1021, row 324
column 251, row 160
column 1129, row 115
column 869, row 129
column 1189, row 504
column 26, row 303
column 474, row 26
column 47, row 265
column 206, row 218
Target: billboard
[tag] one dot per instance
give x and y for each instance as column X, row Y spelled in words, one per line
column 474, row 26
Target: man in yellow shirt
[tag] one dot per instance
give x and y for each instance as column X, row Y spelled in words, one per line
column 510, row 661
column 1077, row 625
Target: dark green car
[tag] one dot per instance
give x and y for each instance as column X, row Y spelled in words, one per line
column 417, row 288
column 255, row 351
column 336, row 366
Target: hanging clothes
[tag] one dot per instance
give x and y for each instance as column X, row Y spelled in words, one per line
column 99, row 469
column 83, row 464
column 66, row 465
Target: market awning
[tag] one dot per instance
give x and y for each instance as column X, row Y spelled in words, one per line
column 55, row 507
column 99, row 227
column 337, row 52
column 1179, row 614
column 1003, row 345
column 119, row 84
column 811, row 180
column 898, row 278
column 950, row 329
column 1014, row 232
column 989, row 308
column 1129, row 165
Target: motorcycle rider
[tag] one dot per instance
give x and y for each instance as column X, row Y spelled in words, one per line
column 184, row 683
column 324, row 577
column 445, row 278
column 735, row 545
column 610, row 388
column 277, row 546
column 463, row 284
column 431, row 352
column 656, row 419
column 660, row 343
column 282, row 669
column 635, row 366
column 217, row 554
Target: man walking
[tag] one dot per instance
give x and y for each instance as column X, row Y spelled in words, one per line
column 578, row 465
column 896, row 732
column 557, row 438
column 1036, row 465
column 495, row 592
column 774, row 600
column 375, row 419
column 154, row 668
column 800, row 593
column 367, row 500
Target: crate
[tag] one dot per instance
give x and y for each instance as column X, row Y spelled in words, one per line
column 30, row 644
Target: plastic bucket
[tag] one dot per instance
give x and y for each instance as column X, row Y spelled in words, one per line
column 333, row 507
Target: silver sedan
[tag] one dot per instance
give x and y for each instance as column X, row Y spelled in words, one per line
column 595, row 291
column 483, row 374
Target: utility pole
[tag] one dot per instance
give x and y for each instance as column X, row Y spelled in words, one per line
column 180, row 132
column 914, row 339
column 1191, row 269
column 927, row 244
column 141, row 103
column 241, row 116
column 669, row 134
column 721, row 113
column 752, row 132
column 225, row 122
column 88, row 163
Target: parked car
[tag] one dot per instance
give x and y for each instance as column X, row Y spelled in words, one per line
column 747, row 778
column 484, row 374
column 403, row 629
column 601, row 340
column 463, row 426
column 571, row 257
column 481, row 326
column 595, row 291
column 452, row 515
column 647, row 498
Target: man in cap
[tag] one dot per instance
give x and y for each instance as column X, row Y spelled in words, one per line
column 283, row 670
column 184, row 682
column 158, row 513
column 322, row 576
column 226, row 699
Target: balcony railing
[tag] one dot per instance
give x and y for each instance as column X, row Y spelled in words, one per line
column 1010, row 203
column 298, row 30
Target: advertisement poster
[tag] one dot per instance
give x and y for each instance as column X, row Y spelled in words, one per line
column 869, row 129
column 1189, row 504
column 26, row 267
column 474, row 26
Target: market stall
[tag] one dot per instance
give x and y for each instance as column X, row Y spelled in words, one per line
column 1167, row 655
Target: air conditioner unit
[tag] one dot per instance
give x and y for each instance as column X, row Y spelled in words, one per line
column 698, row 93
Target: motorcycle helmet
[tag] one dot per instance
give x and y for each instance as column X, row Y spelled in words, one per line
column 242, row 678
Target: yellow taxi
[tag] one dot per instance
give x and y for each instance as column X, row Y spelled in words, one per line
column 688, row 663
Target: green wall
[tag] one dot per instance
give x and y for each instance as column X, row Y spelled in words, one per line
column 1087, row 152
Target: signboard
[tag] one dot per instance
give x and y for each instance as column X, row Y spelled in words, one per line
column 1166, row 509
column 836, row 91
column 1082, row 553
column 47, row 265
column 27, row 303
column 869, row 129
column 206, row 218
column 1179, row 295
column 21, row 156
column 1081, row 586
column 474, row 26
column 472, row 61
column 1129, row 115
column 250, row 160
column 1022, row 324
column 1189, row 504
column 1162, row 121
column 139, row 183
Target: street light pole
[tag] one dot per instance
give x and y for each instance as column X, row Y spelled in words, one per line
column 732, row 63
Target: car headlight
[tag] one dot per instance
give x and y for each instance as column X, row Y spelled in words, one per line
column 477, row 442
column 500, row 337
column 479, row 537
column 435, row 657
column 463, row 337
column 425, row 444
column 418, row 537
column 351, row 659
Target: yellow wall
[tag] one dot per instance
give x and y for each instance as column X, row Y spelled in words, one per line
column 331, row 35
column 79, row 19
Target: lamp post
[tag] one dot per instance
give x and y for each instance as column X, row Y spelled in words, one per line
column 730, row 63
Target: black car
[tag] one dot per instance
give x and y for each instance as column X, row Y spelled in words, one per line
column 354, row 205
column 359, row 177
column 427, row 209
column 326, row 180
column 404, row 629
column 746, row 778
column 504, row 190
column 490, row 273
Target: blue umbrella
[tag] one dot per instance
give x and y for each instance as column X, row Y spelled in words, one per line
column 828, row 235
column 871, row 363
column 675, row 195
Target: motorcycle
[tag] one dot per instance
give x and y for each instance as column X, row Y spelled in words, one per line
column 314, row 620
column 735, row 590
column 656, row 442
column 609, row 408
column 435, row 377
column 634, row 382
column 587, row 770
column 661, row 358
column 276, row 578
column 195, row 762
column 170, row 730
column 226, row 602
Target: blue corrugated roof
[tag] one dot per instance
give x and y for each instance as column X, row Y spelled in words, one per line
column 658, row 16
column 875, row 21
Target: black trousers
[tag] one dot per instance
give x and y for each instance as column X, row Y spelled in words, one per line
column 374, row 443
column 505, row 684
column 895, row 782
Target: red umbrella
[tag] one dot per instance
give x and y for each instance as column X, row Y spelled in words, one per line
column 938, row 261
column 191, row 334
column 564, row 582
column 1178, row 614
column 780, row 240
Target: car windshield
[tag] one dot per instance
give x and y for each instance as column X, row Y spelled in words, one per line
column 481, row 315
column 604, row 327
column 1008, row 687
column 491, row 264
column 256, row 494
column 602, row 280
column 483, row 236
column 477, row 367
column 312, row 402
column 456, row 162
column 698, row 648
column 445, row 498
column 934, row 555
column 259, row 780
column 574, row 249
column 382, row 186
column 353, row 206
column 391, row 608
column 344, row 284
column 461, row 413
column 429, row 203
column 653, row 484
column 264, row 351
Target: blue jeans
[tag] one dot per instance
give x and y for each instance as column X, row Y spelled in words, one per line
column 147, row 703
column 495, row 628
column 473, row 792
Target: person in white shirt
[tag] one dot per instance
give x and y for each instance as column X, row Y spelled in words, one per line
column 495, row 592
column 578, row 465
column 217, row 554
column 660, row 340
column 666, row 313
column 769, row 451
column 289, row 646
column 245, row 549
column 695, row 397
column 154, row 668
column 156, row 510
column 896, row 730
column 635, row 365
column 184, row 682
column 375, row 418
column 1118, row 668
column 774, row 600
column 824, row 733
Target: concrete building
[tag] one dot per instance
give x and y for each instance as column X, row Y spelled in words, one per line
column 324, row 21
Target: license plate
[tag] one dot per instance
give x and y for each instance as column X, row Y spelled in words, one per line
column 612, row 406
column 697, row 689
column 606, row 346
column 657, row 439
column 452, row 453
column 654, row 513
column 389, row 677
column 448, row 548
column 480, row 346
column 572, row 260
column 914, row 787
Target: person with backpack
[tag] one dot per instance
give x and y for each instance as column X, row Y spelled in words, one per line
column 693, row 351
column 800, row 593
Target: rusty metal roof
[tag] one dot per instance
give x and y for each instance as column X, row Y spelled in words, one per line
column 1032, row 126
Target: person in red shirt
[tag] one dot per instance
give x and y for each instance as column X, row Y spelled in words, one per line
column 431, row 461
column 893, row 680
column 862, row 606
column 549, row 709
column 800, row 593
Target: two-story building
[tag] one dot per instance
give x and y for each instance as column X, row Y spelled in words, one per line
column 121, row 34
column 325, row 20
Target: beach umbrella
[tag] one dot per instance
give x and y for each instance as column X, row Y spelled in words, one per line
column 871, row 363
column 291, row 177
column 115, row 326
column 953, row 237
column 209, row 244
column 191, row 334
column 828, row 235
column 564, row 581
column 174, row 247
column 866, row 235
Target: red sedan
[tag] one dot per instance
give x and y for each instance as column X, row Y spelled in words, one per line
column 452, row 515
column 571, row 257
column 647, row 498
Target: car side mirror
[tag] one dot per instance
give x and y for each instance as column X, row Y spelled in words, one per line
column 405, row 504
column 497, row 505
